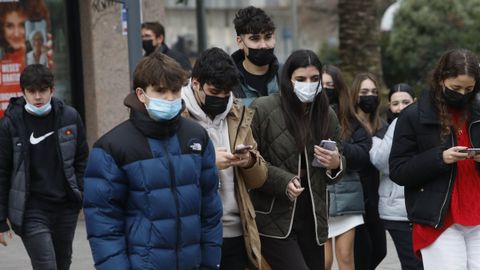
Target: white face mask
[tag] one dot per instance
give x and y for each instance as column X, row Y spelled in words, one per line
column 306, row 91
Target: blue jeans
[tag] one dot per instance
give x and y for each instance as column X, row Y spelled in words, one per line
column 48, row 237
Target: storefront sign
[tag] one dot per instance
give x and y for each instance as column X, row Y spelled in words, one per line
column 24, row 39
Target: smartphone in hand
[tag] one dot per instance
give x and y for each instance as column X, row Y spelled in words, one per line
column 242, row 149
column 326, row 144
column 471, row 151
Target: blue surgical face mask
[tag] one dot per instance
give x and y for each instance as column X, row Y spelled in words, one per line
column 161, row 109
column 39, row 111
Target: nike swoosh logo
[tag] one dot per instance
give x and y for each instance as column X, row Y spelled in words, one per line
column 34, row 140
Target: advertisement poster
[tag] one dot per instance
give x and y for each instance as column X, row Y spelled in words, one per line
column 24, row 39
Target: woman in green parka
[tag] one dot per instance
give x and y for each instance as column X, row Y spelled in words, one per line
column 291, row 208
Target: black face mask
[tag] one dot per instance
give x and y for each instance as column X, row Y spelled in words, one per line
column 147, row 46
column 215, row 105
column 391, row 116
column 332, row 95
column 455, row 99
column 368, row 104
column 261, row 57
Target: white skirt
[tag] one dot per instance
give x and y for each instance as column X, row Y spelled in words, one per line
column 341, row 224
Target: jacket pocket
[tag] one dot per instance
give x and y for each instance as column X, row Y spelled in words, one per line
column 262, row 202
column 423, row 206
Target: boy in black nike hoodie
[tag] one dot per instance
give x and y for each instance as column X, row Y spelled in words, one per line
column 43, row 153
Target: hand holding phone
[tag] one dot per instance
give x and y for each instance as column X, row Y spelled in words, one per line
column 325, row 144
column 242, row 149
column 328, row 144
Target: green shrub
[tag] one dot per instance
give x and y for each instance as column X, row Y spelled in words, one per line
column 422, row 31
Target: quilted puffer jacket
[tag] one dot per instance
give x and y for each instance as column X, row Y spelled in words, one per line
column 274, row 210
column 151, row 196
column 71, row 146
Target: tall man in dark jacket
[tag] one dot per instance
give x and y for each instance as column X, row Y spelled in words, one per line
column 43, row 153
column 151, row 185
column 255, row 59
column 153, row 39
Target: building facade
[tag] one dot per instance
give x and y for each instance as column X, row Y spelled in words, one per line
column 89, row 48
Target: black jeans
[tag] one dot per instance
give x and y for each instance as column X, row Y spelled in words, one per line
column 401, row 233
column 48, row 237
column 299, row 250
column 234, row 254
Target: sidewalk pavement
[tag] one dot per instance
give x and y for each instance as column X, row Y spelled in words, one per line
column 14, row 256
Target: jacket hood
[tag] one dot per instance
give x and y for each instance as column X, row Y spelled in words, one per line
column 196, row 111
column 147, row 126
column 16, row 106
column 238, row 57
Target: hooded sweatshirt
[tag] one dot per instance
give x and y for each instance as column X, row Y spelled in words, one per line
column 217, row 130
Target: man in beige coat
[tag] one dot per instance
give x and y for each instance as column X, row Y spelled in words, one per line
column 209, row 102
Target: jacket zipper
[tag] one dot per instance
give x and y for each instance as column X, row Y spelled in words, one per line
column 470, row 132
column 68, row 187
column 311, row 197
column 294, row 202
column 173, row 182
column 59, row 152
column 451, row 176
column 449, row 190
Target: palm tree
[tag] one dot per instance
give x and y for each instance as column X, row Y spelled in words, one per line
column 359, row 38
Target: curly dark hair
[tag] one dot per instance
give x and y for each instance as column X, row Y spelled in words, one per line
column 216, row 67
column 452, row 63
column 252, row 20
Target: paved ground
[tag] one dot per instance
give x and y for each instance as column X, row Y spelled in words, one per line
column 14, row 257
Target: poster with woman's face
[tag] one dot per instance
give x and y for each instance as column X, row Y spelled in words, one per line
column 23, row 41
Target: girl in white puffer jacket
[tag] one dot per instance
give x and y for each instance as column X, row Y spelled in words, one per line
column 391, row 205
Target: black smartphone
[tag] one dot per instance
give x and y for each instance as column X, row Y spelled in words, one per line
column 242, row 149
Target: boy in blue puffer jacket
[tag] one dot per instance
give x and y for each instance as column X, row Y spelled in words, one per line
column 151, row 185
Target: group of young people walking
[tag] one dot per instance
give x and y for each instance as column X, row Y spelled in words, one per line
column 241, row 165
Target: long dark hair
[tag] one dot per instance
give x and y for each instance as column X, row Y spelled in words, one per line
column 452, row 64
column 374, row 120
column 345, row 109
column 303, row 125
